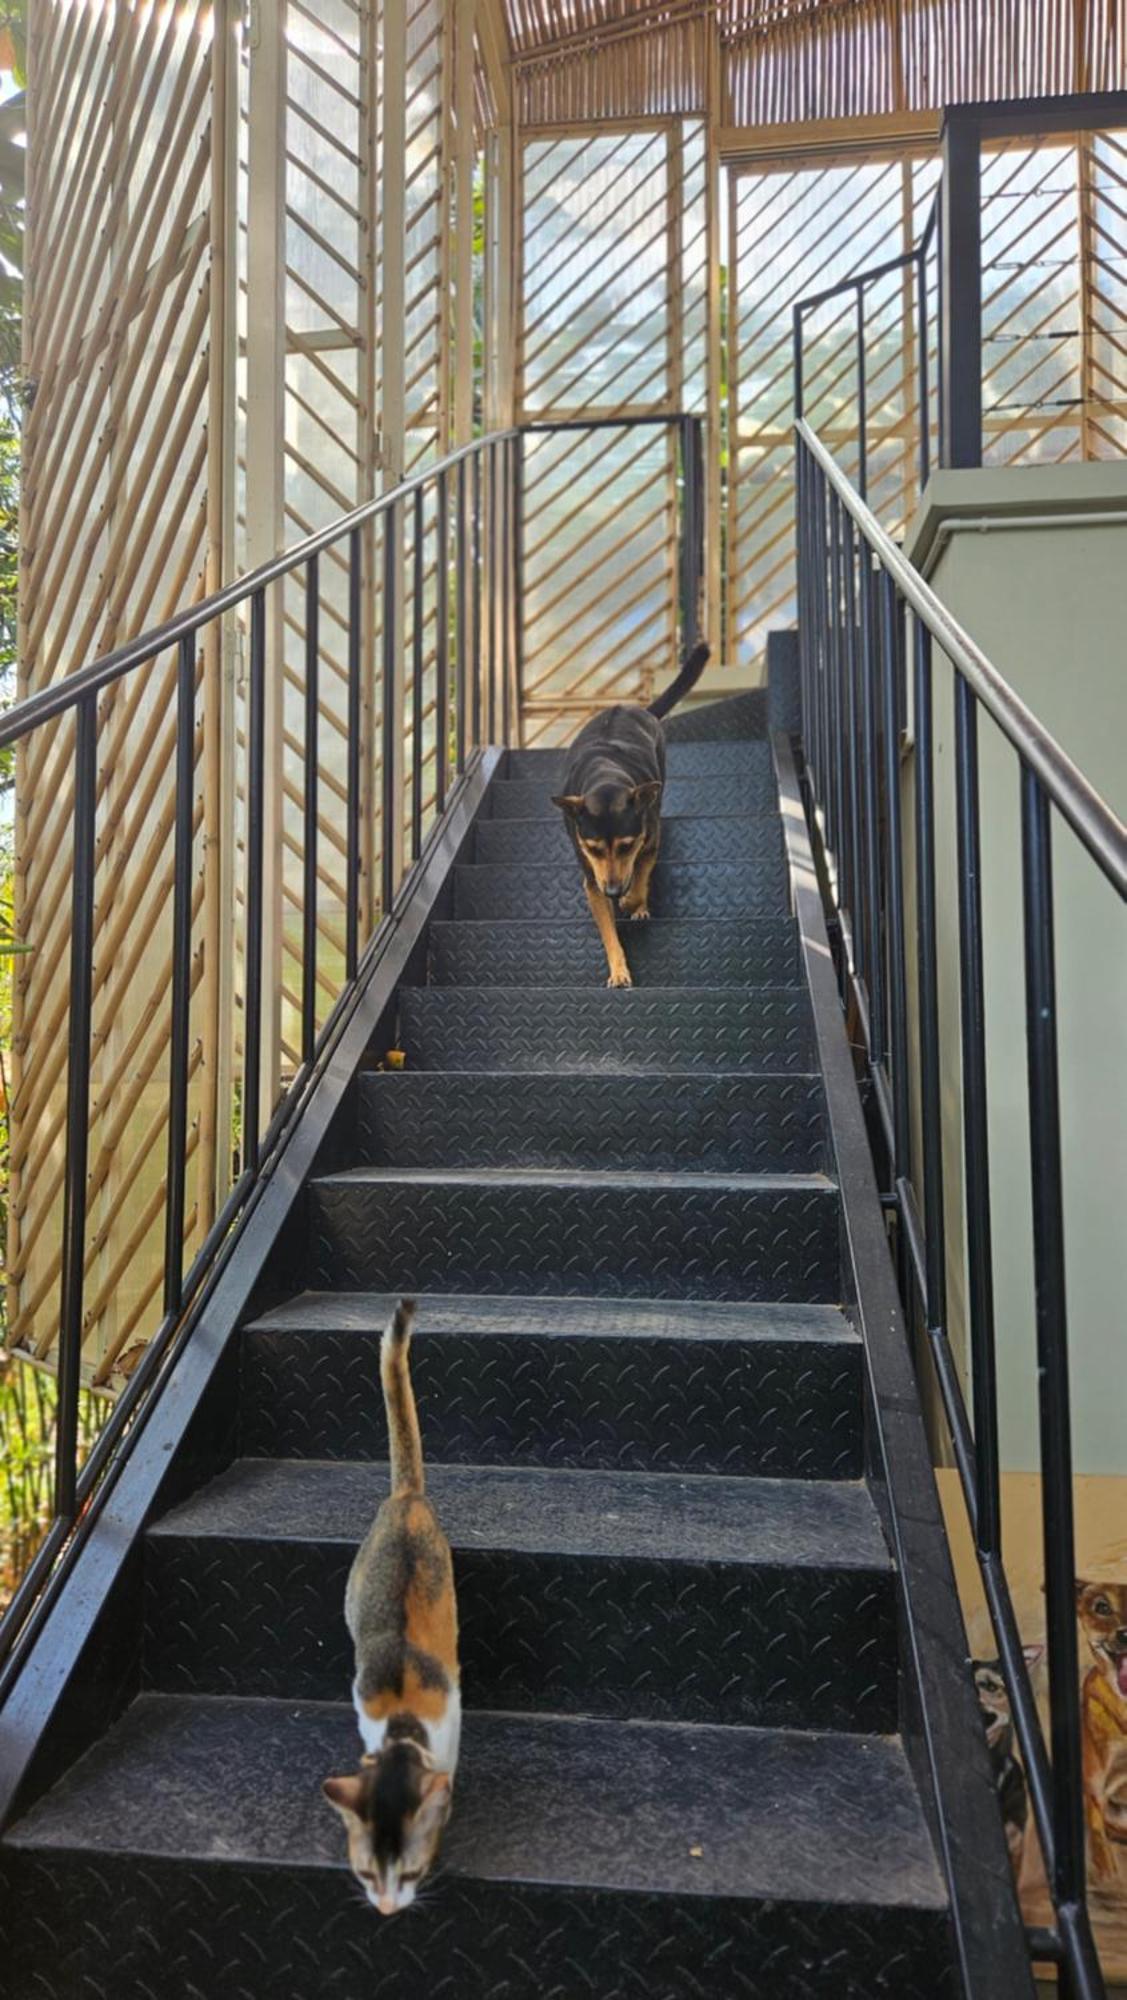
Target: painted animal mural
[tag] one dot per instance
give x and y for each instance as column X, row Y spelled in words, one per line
column 1101, row 1609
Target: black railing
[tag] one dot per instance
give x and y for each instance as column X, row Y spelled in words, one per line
column 860, row 283
column 471, row 537
column 855, row 588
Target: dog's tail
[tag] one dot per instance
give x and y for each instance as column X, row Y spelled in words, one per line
column 402, row 1420
column 687, row 678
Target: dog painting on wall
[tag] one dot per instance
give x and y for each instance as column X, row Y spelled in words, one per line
column 1102, row 1612
column 611, row 800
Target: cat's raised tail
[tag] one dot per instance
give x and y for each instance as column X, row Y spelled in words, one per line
column 407, row 1475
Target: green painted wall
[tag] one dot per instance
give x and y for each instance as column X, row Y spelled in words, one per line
column 1048, row 605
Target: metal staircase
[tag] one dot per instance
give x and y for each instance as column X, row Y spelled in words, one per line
column 694, row 1762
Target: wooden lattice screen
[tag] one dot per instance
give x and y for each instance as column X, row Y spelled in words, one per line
column 613, row 308
column 251, row 306
column 120, row 526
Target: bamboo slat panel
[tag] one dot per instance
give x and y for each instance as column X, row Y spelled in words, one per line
column 794, row 61
column 849, row 58
column 118, row 529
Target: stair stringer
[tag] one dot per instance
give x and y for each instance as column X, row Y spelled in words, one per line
column 939, row 1716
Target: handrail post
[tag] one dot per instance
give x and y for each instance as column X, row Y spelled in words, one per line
column 181, row 975
column 518, row 576
column 312, row 774
column 77, row 1113
column 862, row 398
column 976, row 1152
column 388, row 843
column 352, row 862
column 256, row 778
column 418, row 573
column 1052, row 1338
column 462, row 592
column 442, row 643
column 931, row 1139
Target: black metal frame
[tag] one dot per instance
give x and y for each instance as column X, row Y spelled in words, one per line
column 477, row 520
column 954, row 227
column 852, row 669
column 965, row 127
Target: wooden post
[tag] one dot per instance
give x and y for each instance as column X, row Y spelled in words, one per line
column 393, row 411
column 218, row 998
column 461, row 87
column 369, row 443
column 230, row 656
column 265, row 449
column 713, row 588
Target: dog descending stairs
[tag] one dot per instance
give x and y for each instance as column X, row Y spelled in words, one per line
column 642, row 1410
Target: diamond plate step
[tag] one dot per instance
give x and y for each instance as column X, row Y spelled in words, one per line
column 729, row 758
column 695, row 891
column 740, row 715
column 752, row 791
column 748, row 951
column 755, row 1865
column 735, row 838
column 712, row 1124
column 595, row 1028
column 616, row 1235
column 635, row 1386
column 633, row 1594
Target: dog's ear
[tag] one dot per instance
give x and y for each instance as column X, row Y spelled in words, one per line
column 647, row 794
column 569, row 803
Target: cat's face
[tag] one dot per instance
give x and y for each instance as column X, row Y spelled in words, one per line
column 394, row 1810
column 993, row 1699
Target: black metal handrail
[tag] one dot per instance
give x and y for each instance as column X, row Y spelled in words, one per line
column 854, row 585
column 477, row 525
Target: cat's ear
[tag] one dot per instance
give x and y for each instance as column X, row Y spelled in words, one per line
column 434, row 1803
column 647, row 794
column 345, row 1794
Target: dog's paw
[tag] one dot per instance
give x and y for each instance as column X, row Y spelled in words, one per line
column 620, row 977
column 639, row 916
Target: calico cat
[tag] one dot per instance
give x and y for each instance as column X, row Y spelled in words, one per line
column 401, row 1611
column 1009, row 1778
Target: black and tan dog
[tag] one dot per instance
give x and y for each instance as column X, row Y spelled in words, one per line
column 611, row 801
